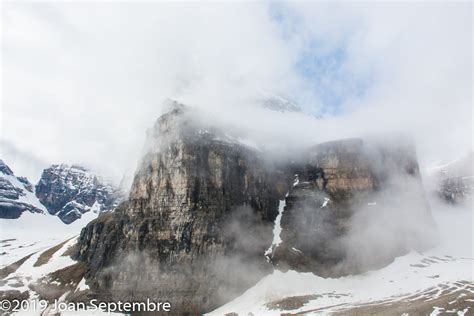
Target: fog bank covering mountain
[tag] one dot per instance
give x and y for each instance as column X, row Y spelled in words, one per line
column 82, row 80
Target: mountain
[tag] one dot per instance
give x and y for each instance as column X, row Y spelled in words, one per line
column 65, row 191
column 279, row 104
column 197, row 222
column 29, row 239
column 203, row 209
column 437, row 281
column 215, row 225
column 17, row 195
column 70, row 191
column 345, row 192
column 454, row 181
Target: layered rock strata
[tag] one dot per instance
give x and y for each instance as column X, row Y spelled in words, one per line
column 355, row 206
column 195, row 227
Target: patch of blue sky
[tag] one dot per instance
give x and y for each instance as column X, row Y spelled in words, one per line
column 322, row 67
column 326, row 76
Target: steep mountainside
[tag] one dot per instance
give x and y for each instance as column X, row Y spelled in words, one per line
column 202, row 208
column 343, row 227
column 16, row 195
column 355, row 206
column 437, row 282
column 196, row 224
column 70, row 191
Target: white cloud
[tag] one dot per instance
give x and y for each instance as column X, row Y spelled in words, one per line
column 83, row 81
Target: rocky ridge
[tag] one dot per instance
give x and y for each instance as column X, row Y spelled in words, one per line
column 16, row 194
column 70, row 191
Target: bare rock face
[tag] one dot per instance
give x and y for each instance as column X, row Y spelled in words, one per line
column 16, row 195
column 195, row 227
column 355, row 206
column 70, row 191
column 202, row 207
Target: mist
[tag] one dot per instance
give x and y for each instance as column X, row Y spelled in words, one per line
column 83, row 81
column 86, row 83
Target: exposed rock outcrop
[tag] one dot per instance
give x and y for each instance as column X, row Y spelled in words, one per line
column 70, row 191
column 16, row 195
column 197, row 222
column 202, row 207
column 355, row 206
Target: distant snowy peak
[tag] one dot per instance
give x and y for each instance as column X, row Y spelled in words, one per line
column 279, row 104
column 459, row 167
column 455, row 180
column 70, row 191
column 16, row 194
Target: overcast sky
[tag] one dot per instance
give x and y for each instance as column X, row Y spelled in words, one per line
column 81, row 82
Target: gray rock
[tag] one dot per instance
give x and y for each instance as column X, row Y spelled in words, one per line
column 16, row 194
column 195, row 227
column 70, row 191
column 356, row 207
column 5, row 169
column 201, row 211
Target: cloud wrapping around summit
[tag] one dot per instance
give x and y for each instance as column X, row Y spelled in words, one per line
column 83, row 81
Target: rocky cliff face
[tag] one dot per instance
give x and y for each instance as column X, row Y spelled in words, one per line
column 70, row 191
column 354, row 207
column 16, row 194
column 195, row 227
column 202, row 208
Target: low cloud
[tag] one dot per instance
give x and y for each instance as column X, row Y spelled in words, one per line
column 83, row 81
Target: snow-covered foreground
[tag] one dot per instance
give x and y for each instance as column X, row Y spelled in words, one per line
column 35, row 232
column 29, row 273
column 31, row 236
column 449, row 265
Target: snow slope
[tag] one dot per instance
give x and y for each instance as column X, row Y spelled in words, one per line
column 28, row 273
column 27, row 197
column 34, row 232
column 17, row 194
column 448, row 266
